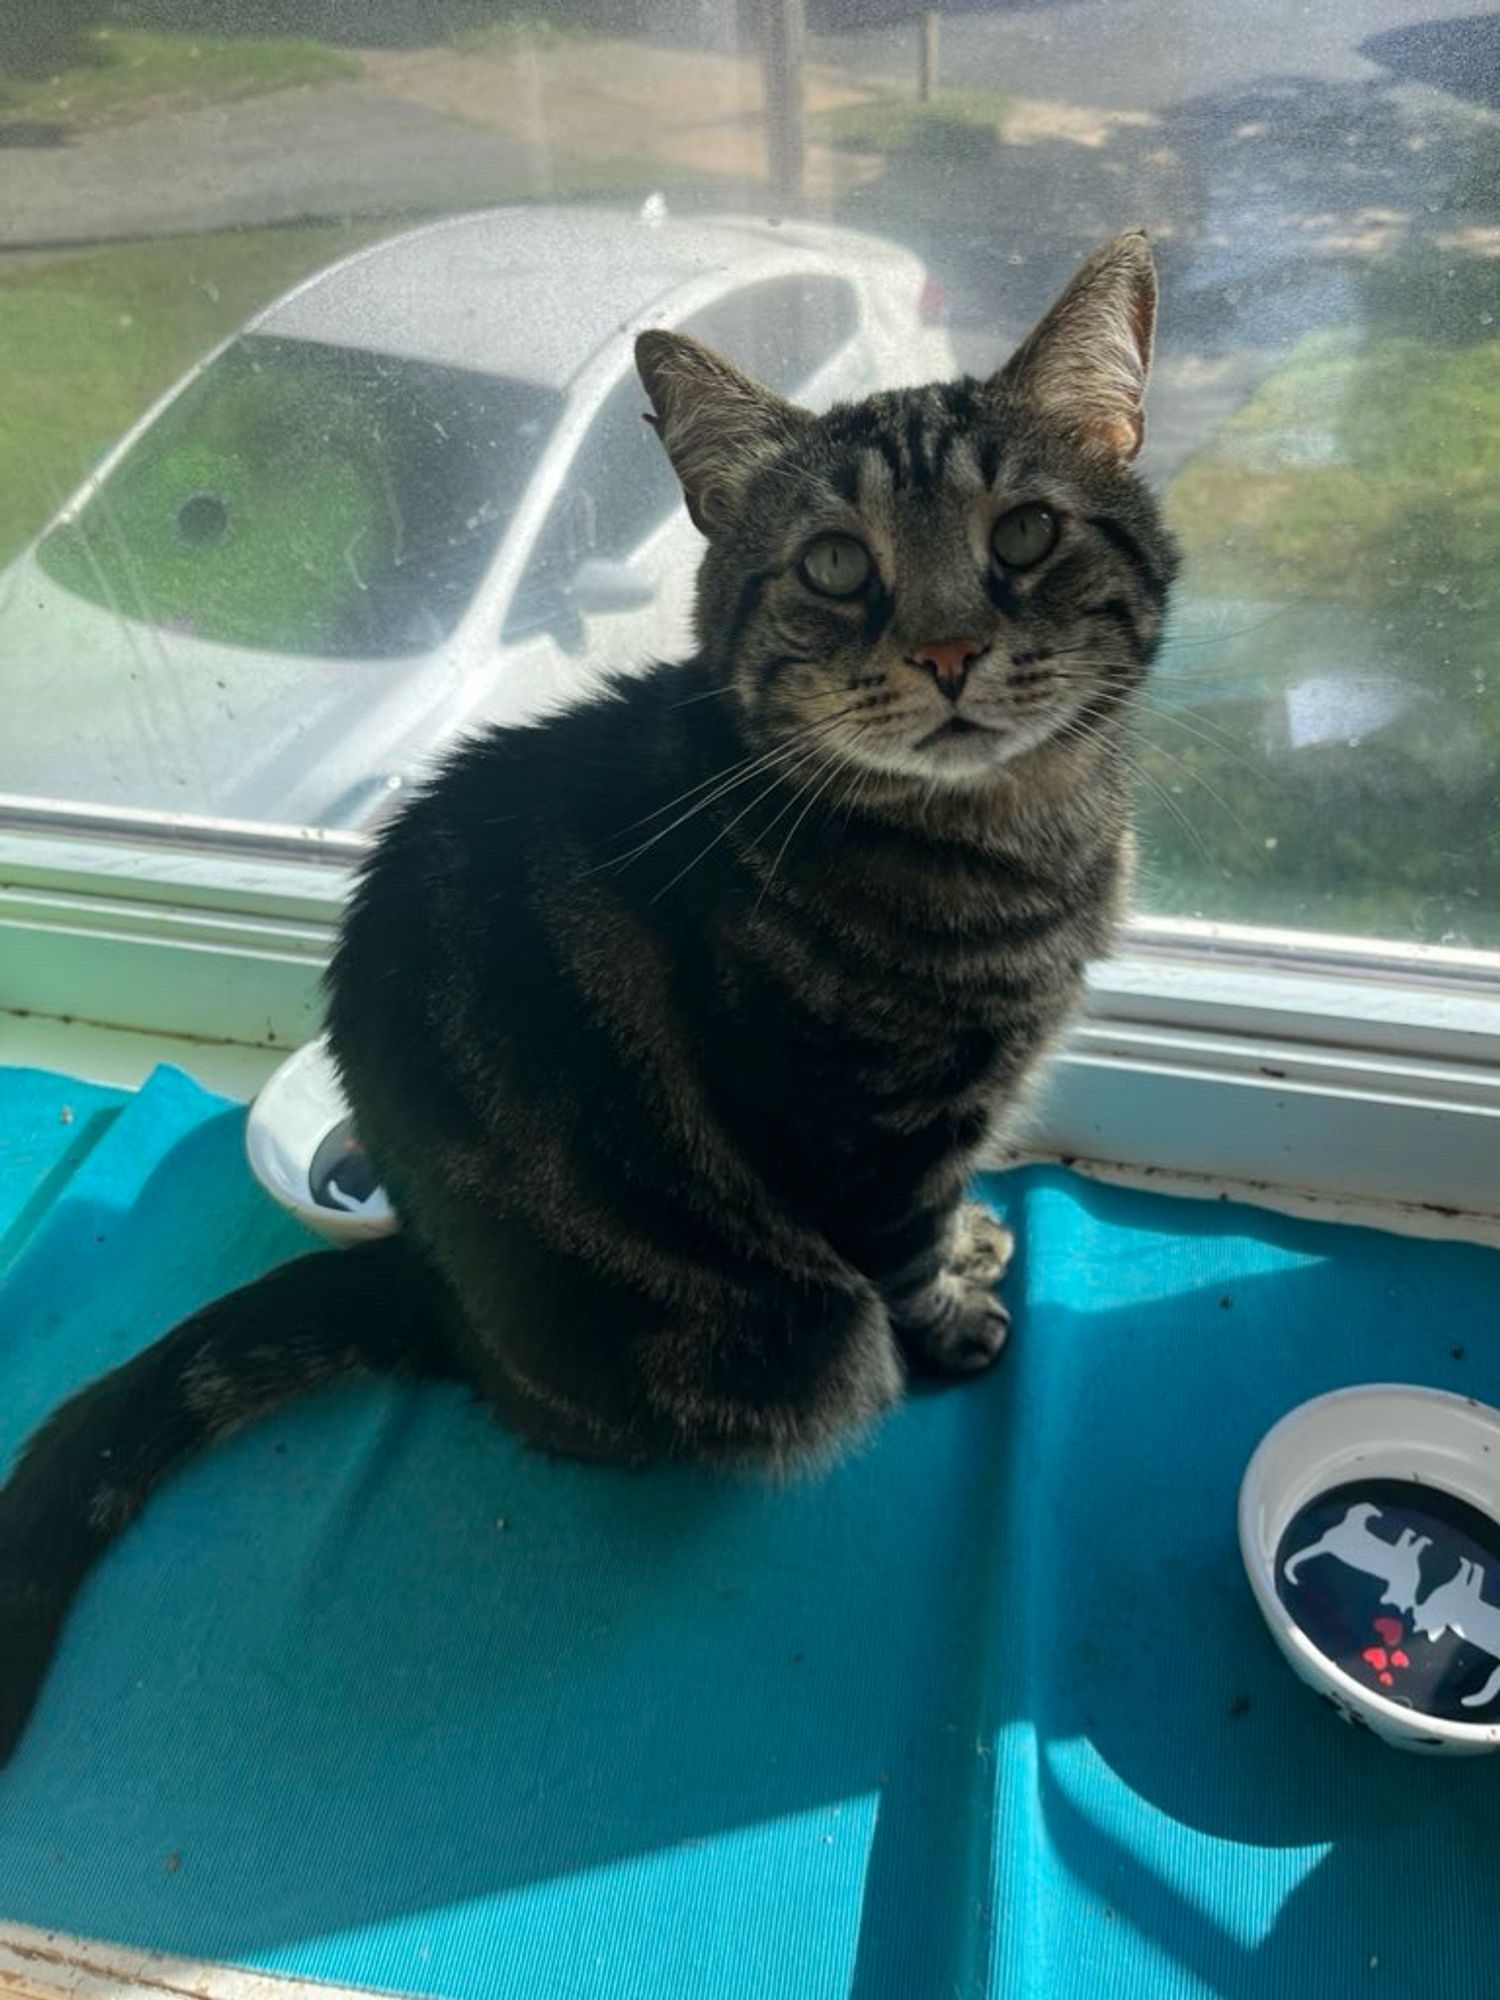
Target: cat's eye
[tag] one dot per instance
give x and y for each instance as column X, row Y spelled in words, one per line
column 837, row 565
column 1022, row 537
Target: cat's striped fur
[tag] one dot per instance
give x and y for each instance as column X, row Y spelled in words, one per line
column 674, row 1022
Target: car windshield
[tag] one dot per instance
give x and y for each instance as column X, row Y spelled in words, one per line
column 310, row 499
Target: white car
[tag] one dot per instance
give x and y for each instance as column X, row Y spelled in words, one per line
column 415, row 494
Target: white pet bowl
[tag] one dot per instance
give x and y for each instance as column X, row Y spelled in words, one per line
column 1410, row 1571
column 300, row 1108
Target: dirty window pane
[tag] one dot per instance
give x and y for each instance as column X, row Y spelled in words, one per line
column 782, row 333
column 509, row 193
column 619, row 490
column 309, row 500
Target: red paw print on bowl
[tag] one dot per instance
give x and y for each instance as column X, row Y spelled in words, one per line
column 1387, row 1659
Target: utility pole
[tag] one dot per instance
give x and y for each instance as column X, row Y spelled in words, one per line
column 928, row 55
column 786, row 137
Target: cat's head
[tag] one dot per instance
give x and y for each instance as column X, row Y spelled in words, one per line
column 936, row 581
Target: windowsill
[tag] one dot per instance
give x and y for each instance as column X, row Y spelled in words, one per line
column 1286, row 1067
column 125, row 1057
column 47, row 1965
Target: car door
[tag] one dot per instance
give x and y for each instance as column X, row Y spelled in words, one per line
column 599, row 588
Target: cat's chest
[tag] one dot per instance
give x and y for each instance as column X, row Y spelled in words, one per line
column 900, row 1005
column 955, row 947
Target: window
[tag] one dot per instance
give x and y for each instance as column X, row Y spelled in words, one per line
column 306, row 499
column 618, row 490
column 785, row 333
column 1321, row 750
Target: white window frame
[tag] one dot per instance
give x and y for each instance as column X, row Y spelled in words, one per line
column 1289, row 1065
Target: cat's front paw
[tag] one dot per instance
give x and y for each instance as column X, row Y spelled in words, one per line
column 982, row 1246
column 959, row 1330
column 972, row 1338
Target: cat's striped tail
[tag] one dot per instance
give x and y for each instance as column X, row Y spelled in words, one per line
column 88, row 1471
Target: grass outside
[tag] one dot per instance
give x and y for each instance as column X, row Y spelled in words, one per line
column 90, row 340
column 1354, row 787
column 119, row 74
column 1358, row 471
column 955, row 123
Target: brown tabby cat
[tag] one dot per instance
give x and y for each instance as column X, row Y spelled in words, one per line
column 673, row 1023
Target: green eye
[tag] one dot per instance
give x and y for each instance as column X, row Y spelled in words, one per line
column 837, row 565
column 1023, row 536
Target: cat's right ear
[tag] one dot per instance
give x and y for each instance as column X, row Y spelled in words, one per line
column 716, row 423
column 1086, row 365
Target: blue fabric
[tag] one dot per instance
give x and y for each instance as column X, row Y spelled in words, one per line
column 374, row 1695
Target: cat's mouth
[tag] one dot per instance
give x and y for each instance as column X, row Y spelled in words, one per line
column 952, row 730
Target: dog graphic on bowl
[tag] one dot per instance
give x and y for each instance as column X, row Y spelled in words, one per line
column 1398, row 1564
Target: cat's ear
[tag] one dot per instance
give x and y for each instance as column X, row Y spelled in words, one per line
column 1085, row 365
column 715, row 422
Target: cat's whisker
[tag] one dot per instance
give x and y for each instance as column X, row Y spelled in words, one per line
column 1212, row 739
column 729, row 825
column 1197, row 726
column 714, row 778
column 707, row 694
column 827, row 773
column 1078, row 731
column 723, row 782
column 1164, row 798
column 785, row 758
column 746, row 767
column 1081, row 663
column 1196, row 676
column 861, row 782
column 720, row 787
column 828, row 765
column 1172, row 641
column 1180, row 764
column 830, row 771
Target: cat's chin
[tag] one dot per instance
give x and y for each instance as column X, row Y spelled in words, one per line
column 957, row 761
column 964, row 760
column 963, row 752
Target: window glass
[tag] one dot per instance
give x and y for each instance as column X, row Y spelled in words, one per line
column 307, row 499
column 617, row 490
column 832, row 190
column 784, row 333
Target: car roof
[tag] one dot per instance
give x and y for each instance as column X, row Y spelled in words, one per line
column 532, row 292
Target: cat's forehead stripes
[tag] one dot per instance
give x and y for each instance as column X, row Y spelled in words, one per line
column 844, row 477
column 914, row 443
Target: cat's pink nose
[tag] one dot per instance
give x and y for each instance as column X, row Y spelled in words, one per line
column 949, row 662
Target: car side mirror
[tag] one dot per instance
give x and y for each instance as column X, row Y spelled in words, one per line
column 602, row 586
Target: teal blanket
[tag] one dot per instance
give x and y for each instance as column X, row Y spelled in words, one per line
column 374, row 1695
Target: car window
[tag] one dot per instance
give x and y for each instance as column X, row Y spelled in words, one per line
column 783, row 330
column 618, row 490
column 309, row 499
column 620, row 487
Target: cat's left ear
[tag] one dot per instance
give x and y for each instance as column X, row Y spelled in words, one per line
column 716, row 423
column 1085, row 365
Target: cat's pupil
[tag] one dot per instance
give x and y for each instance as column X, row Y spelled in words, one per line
column 837, row 565
column 1023, row 536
